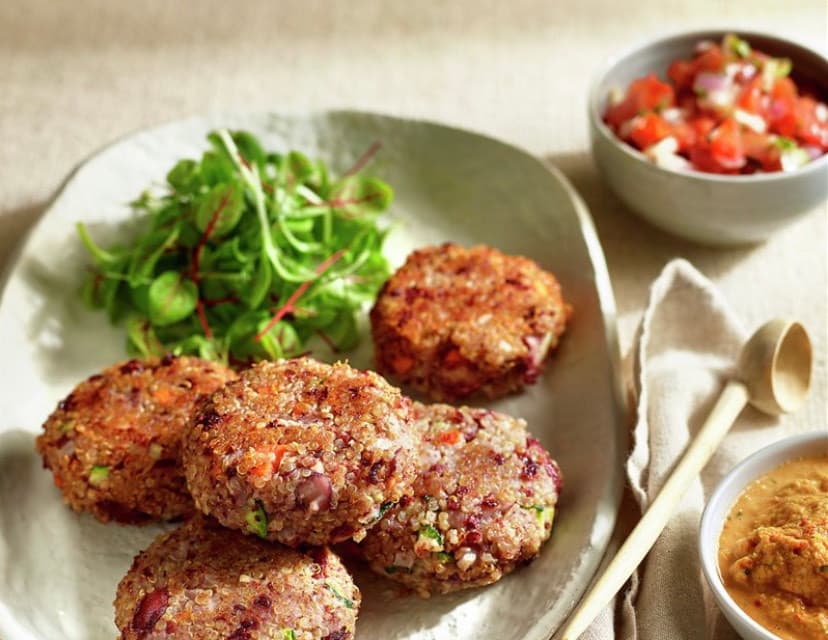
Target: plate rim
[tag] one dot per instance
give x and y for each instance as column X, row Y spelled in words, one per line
column 607, row 508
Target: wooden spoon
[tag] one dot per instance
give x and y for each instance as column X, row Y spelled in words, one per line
column 774, row 374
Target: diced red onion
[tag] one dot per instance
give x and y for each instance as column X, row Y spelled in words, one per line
column 68, row 449
column 538, row 347
column 812, row 151
column 404, row 559
column 674, row 115
column 627, row 126
column 719, row 101
column 709, row 82
column 731, row 163
column 777, row 109
column 747, row 72
column 703, row 45
column 456, row 519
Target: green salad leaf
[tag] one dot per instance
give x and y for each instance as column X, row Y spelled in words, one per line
column 170, row 298
column 245, row 255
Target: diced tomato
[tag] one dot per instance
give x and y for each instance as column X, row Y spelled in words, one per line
column 711, row 59
column 164, row 396
column 266, row 467
column 808, row 126
column 784, row 88
column 449, row 437
column 684, row 134
column 648, row 129
column 702, row 125
column 261, row 469
column 750, row 97
column 687, row 103
column 620, row 113
column 279, row 453
column 759, row 147
column 682, row 73
column 726, row 145
column 782, row 116
column 782, row 108
column 645, row 94
column 706, row 127
column 702, row 159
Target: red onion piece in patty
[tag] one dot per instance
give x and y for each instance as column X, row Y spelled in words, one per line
column 538, row 348
column 315, row 493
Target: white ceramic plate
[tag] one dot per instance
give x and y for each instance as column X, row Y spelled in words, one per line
column 59, row 570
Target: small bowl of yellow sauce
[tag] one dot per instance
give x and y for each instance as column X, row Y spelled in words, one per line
column 763, row 541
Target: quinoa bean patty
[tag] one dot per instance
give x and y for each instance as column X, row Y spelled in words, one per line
column 482, row 505
column 452, row 322
column 206, row 582
column 298, row 451
column 114, row 443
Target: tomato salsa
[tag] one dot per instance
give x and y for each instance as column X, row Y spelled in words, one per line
column 729, row 109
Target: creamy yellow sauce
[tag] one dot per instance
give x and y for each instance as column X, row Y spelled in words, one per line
column 773, row 550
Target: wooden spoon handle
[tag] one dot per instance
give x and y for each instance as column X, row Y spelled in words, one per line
column 730, row 403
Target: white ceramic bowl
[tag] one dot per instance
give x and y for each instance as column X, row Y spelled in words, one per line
column 707, row 208
column 720, row 503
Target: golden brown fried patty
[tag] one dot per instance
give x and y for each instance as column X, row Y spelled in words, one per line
column 482, row 505
column 453, row 321
column 114, row 443
column 205, row 582
column 298, row 451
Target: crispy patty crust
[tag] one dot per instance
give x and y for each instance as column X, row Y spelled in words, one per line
column 114, row 443
column 482, row 505
column 452, row 322
column 205, row 582
column 301, row 452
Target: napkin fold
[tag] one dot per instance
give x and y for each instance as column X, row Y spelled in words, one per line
column 686, row 347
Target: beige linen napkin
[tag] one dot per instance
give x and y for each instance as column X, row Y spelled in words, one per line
column 687, row 345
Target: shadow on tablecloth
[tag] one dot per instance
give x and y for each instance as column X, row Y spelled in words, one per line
column 16, row 224
column 635, row 250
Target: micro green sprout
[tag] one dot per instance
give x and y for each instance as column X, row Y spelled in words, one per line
column 245, row 256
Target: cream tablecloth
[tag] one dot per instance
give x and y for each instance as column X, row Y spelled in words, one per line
column 76, row 75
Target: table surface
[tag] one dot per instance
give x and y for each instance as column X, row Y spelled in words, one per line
column 75, row 76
